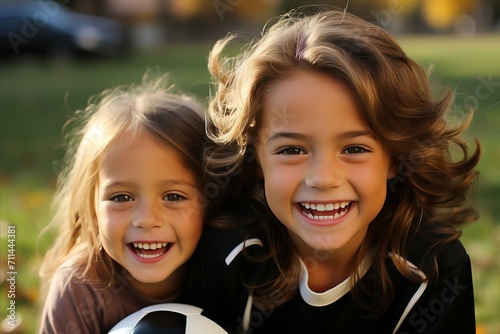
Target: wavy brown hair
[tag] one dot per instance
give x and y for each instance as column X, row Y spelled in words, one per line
column 427, row 198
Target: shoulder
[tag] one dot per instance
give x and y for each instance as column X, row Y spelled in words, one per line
column 70, row 302
column 71, row 278
column 217, row 271
column 448, row 299
column 229, row 244
column 69, row 284
column 222, row 257
column 85, row 302
column 425, row 254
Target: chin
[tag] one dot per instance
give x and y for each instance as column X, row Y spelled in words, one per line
column 326, row 245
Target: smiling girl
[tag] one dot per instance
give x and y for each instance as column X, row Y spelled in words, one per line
column 333, row 133
column 129, row 208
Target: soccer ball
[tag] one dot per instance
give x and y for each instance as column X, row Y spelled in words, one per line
column 169, row 318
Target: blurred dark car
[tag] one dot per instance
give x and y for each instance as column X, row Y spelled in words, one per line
column 46, row 27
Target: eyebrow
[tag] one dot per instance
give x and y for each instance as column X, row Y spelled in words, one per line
column 355, row 134
column 286, row 135
column 343, row 135
column 113, row 184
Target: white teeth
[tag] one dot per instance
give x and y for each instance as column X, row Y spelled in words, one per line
column 320, row 207
column 152, row 246
column 147, row 256
column 337, row 215
column 325, row 207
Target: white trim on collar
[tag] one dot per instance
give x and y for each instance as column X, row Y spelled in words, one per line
column 238, row 249
column 328, row 297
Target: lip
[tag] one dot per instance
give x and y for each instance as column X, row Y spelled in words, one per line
column 149, row 255
column 328, row 219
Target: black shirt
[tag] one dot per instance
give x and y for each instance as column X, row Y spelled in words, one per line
column 218, row 268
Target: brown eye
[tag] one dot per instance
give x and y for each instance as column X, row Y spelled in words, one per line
column 291, row 151
column 354, row 150
column 173, row 197
column 122, row 198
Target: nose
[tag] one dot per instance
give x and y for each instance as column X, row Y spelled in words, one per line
column 147, row 215
column 324, row 172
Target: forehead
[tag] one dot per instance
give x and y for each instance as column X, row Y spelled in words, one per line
column 309, row 97
column 125, row 141
column 132, row 146
column 307, row 84
column 144, row 157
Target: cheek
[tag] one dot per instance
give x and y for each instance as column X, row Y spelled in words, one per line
column 191, row 225
column 371, row 186
column 279, row 187
column 275, row 175
column 276, row 181
column 111, row 223
column 272, row 172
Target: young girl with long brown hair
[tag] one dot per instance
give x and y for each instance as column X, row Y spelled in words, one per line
column 356, row 179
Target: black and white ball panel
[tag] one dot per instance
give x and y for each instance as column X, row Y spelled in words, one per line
column 168, row 318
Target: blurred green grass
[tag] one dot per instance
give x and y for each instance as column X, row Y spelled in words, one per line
column 37, row 97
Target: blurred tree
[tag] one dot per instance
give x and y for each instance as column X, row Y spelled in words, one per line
column 201, row 19
column 182, row 20
column 442, row 14
column 397, row 15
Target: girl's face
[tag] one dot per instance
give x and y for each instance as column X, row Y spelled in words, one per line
column 149, row 210
column 325, row 172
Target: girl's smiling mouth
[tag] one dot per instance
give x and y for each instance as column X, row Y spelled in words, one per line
column 325, row 211
column 149, row 250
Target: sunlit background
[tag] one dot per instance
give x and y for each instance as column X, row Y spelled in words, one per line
column 56, row 55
